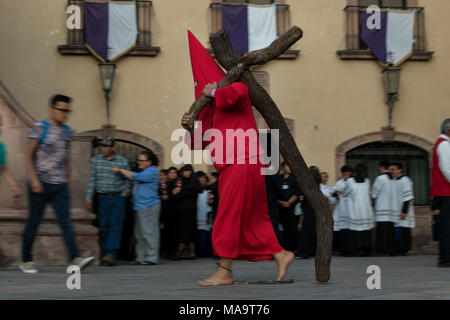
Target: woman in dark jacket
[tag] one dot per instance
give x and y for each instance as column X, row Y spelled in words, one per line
column 308, row 235
column 185, row 195
column 287, row 193
column 171, row 222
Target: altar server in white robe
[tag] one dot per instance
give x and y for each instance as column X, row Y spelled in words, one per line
column 359, row 236
column 382, row 193
column 403, row 204
column 327, row 190
column 341, row 214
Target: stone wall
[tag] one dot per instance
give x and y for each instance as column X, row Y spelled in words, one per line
column 13, row 132
column 422, row 235
column 49, row 247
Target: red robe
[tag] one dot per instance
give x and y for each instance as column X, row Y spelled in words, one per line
column 242, row 228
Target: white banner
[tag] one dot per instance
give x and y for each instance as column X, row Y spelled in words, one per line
column 122, row 33
column 399, row 36
column 262, row 26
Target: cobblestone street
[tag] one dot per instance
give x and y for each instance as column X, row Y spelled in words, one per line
column 411, row 277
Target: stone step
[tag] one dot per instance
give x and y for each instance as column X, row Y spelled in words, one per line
column 430, row 249
column 78, row 215
column 49, row 246
column 51, row 230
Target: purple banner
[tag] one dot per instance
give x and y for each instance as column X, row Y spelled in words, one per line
column 234, row 21
column 96, row 29
column 375, row 39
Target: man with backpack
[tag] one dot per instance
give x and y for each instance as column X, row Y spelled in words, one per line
column 47, row 161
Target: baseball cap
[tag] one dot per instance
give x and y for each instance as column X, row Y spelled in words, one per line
column 107, row 142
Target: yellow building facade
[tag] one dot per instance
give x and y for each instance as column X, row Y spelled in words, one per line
column 328, row 86
column 333, row 95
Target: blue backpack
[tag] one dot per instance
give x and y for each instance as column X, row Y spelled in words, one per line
column 47, row 127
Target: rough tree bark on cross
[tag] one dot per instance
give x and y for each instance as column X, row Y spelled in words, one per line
column 238, row 70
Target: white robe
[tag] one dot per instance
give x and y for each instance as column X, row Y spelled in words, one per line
column 341, row 214
column 404, row 191
column 328, row 192
column 361, row 215
column 202, row 211
column 383, row 193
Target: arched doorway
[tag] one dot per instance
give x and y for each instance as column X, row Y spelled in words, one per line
column 413, row 151
column 414, row 160
column 127, row 149
column 128, row 145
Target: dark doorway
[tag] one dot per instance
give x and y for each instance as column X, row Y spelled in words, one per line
column 415, row 162
column 130, row 151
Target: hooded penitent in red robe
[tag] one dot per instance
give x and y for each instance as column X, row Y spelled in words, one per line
column 242, row 228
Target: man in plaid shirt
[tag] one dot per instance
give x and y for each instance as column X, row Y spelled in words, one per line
column 112, row 189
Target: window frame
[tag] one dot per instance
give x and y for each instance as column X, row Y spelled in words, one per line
column 380, row 4
column 354, row 50
column 75, row 44
column 247, row 1
column 283, row 23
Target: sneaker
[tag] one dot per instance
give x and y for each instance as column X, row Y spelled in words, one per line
column 108, row 261
column 82, row 262
column 28, row 267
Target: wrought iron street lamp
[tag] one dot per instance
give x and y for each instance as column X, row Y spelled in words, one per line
column 107, row 72
column 391, row 80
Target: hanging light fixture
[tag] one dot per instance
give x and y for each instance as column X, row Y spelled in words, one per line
column 391, row 80
column 107, row 73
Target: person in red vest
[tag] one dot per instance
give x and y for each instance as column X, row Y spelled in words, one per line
column 242, row 229
column 440, row 190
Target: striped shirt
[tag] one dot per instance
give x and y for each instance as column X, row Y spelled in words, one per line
column 102, row 178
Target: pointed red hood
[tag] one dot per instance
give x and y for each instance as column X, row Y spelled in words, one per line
column 204, row 68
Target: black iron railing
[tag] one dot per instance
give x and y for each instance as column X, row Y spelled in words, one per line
column 354, row 15
column 283, row 18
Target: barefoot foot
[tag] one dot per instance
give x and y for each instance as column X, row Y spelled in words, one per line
column 211, row 282
column 217, row 280
column 284, row 259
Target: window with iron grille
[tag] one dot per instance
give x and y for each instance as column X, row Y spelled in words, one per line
column 384, row 3
column 75, row 38
column 250, row 1
column 355, row 49
column 282, row 16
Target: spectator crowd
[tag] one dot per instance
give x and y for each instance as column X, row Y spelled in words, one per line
column 173, row 210
column 184, row 204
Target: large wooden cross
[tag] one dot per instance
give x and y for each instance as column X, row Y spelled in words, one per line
column 238, row 70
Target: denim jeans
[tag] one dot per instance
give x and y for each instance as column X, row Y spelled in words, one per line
column 58, row 196
column 111, row 214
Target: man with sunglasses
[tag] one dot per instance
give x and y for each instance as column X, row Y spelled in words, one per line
column 147, row 204
column 47, row 161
